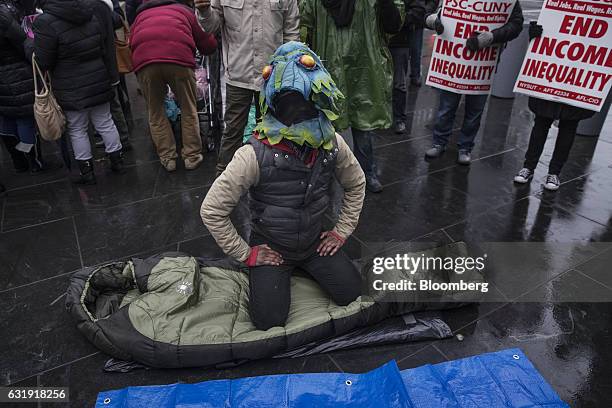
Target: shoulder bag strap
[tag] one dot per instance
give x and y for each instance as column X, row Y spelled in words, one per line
column 38, row 74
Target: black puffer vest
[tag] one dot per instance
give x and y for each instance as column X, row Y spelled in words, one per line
column 289, row 202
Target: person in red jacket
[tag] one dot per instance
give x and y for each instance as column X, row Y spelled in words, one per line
column 165, row 36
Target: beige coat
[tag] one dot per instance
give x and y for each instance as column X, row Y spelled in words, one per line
column 251, row 30
column 243, row 172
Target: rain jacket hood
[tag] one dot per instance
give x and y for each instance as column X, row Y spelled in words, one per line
column 357, row 58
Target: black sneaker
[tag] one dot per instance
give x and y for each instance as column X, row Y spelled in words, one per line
column 552, row 182
column 524, row 176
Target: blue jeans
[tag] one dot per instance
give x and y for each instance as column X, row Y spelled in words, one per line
column 23, row 129
column 364, row 152
column 445, row 118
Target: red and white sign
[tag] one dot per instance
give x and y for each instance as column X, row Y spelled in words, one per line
column 572, row 61
column 455, row 68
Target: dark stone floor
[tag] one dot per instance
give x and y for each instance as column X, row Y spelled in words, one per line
column 50, row 228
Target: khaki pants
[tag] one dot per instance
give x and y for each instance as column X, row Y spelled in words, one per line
column 238, row 102
column 153, row 80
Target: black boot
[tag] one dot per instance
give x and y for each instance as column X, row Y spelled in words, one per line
column 35, row 158
column 87, row 175
column 116, row 160
column 36, row 161
column 20, row 161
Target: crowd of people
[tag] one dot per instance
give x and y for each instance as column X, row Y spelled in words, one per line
column 372, row 50
column 313, row 69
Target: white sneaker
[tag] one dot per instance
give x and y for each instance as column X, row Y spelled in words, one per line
column 552, row 182
column 434, row 151
column 464, row 157
column 524, row 176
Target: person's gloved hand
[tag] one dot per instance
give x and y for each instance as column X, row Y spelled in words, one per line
column 535, row 30
column 263, row 255
column 433, row 22
column 331, row 242
column 478, row 41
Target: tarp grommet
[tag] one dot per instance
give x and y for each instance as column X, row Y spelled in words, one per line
column 515, row 356
column 348, row 382
column 106, row 401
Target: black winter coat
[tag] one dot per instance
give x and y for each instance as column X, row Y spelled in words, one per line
column 72, row 42
column 416, row 10
column 118, row 15
column 558, row 110
column 108, row 18
column 512, row 28
column 508, row 31
column 16, row 83
column 131, row 9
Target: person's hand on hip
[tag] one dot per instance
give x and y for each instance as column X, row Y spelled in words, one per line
column 264, row 255
column 331, row 242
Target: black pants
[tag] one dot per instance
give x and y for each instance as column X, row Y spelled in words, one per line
column 119, row 116
column 270, row 286
column 563, row 145
column 238, row 104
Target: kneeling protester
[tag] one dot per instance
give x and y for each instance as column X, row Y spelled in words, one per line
column 287, row 169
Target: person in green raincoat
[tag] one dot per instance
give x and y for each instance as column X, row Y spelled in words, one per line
column 351, row 37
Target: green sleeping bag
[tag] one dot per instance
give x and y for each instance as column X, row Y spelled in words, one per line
column 173, row 310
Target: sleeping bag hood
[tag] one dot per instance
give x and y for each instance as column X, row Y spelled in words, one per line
column 173, row 310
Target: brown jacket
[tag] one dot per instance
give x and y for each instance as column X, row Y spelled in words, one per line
column 250, row 33
column 243, row 172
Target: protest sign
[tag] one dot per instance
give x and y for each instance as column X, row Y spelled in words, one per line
column 572, row 61
column 455, row 68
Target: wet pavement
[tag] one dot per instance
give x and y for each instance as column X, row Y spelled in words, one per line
column 50, row 228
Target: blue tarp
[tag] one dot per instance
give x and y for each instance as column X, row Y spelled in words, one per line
column 501, row 379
